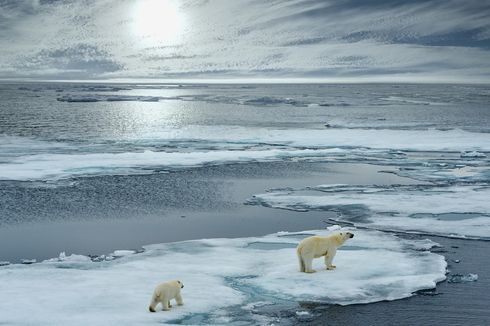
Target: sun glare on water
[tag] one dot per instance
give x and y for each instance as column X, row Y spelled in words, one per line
column 157, row 21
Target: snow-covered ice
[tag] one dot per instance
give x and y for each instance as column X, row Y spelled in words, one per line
column 456, row 211
column 58, row 166
column 222, row 278
column 196, row 145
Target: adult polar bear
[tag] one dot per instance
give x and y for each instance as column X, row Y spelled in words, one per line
column 166, row 292
column 318, row 246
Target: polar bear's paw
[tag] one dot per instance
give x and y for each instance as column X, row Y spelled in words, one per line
column 311, row 271
column 331, row 267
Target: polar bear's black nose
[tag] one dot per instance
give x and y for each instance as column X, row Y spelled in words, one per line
column 351, row 235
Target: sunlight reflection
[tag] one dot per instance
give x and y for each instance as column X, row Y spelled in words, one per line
column 158, row 21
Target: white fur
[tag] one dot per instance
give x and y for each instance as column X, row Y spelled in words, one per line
column 317, row 246
column 164, row 293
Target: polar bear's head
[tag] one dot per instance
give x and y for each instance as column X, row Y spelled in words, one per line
column 346, row 235
column 181, row 284
column 343, row 237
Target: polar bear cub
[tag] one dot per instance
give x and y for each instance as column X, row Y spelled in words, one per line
column 164, row 293
column 318, row 246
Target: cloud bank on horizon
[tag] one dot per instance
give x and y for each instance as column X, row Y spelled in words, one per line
column 393, row 40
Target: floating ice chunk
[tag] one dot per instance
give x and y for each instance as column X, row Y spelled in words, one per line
column 258, row 304
column 407, row 100
column 472, row 154
column 73, row 258
column 382, row 267
column 302, row 313
column 267, row 100
column 84, row 99
column 28, row 261
column 122, row 253
column 4, row 263
column 460, row 278
column 304, row 316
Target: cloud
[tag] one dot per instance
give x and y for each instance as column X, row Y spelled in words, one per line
column 447, row 40
column 78, row 61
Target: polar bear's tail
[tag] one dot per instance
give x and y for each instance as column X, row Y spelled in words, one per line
column 300, row 259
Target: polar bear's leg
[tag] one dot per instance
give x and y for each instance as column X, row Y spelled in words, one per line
column 179, row 300
column 308, row 261
column 165, row 304
column 301, row 262
column 153, row 304
column 329, row 258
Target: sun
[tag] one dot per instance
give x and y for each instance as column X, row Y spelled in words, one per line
column 157, row 21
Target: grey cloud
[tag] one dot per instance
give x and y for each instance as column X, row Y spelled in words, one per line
column 83, row 60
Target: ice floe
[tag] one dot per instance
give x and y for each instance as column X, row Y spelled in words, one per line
column 28, row 261
column 473, row 154
column 411, row 140
column 455, row 211
column 107, row 98
column 58, row 166
column 191, row 146
column 224, row 278
column 460, row 278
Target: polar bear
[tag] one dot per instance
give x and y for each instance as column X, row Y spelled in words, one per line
column 164, row 293
column 317, row 246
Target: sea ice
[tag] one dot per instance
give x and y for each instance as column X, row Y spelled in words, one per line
column 473, row 154
column 59, row 166
column 221, row 276
column 107, row 98
column 455, row 211
column 70, row 258
column 191, row 146
column 460, row 278
column 413, row 140
column 121, row 253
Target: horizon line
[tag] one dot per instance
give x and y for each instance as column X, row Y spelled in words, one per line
column 288, row 80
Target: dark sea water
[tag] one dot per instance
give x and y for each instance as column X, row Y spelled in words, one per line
column 92, row 168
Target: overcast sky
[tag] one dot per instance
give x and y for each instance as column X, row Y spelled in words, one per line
column 338, row 39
